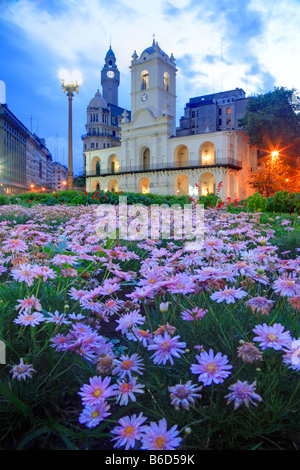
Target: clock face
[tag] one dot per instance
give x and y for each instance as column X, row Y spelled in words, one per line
column 110, row 74
column 144, row 97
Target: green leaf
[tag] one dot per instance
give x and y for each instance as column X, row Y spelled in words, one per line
column 14, row 400
column 32, row 435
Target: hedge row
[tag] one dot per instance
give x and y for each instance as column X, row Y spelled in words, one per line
column 284, row 201
column 99, row 197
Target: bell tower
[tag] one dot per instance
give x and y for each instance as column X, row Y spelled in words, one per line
column 153, row 83
column 110, row 78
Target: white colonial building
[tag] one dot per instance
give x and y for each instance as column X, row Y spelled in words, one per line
column 151, row 157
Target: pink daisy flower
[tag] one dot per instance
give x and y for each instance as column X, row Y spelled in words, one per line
column 80, row 295
column 213, row 244
column 127, row 365
column 31, row 319
column 243, row 268
column 181, row 284
column 228, row 295
column 211, row 368
column 109, row 287
column 194, row 314
column 126, row 390
column 144, row 336
column 151, row 278
column 157, row 437
column 57, row 318
column 141, row 293
column 14, row 246
column 60, row 342
column 92, row 415
column 292, row 355
column 184, row 394
column 44, row 272
column 129, row 431
column 112, row 306
column 60, row 260
column 76, row 316
column 97, row 390
column 272, row 336
column 26, row 305
column 288, row 287
column 260, row 304
column 24, row 272
column 166, row 347
column 129, row 320
column 22, row 371
column 243, row 392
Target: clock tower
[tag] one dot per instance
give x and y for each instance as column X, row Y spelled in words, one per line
column 153, row 83
column 110, row 78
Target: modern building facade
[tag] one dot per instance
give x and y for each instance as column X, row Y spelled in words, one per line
column 13, row 135
column 59, row 176
column 215, row 112
column 25, row 161
column 38, row 163
column 154, row 156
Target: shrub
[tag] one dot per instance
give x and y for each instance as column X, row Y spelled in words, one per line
column 4, row 200
column 209, row 200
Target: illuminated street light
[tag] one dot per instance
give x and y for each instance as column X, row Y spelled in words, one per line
column 70, row 84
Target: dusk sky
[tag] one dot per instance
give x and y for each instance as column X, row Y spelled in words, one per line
column 218, row 45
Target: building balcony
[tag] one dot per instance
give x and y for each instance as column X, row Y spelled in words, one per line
column 100, row 134
column 191, row 165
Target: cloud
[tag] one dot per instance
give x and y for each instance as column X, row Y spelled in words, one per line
column 218, row 45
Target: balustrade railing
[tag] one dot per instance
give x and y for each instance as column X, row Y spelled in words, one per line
column 221, row 162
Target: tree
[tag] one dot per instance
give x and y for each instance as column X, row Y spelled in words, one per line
column 79, row 182
column 273, row 174
column 272, row 123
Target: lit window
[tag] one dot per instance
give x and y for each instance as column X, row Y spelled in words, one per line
column 144, row 80
column 166, row 81
column 228, row 110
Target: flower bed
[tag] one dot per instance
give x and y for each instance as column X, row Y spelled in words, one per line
column 147, row 344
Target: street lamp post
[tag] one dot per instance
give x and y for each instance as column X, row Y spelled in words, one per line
column 70, row 84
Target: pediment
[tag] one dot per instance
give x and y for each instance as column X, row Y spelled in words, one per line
column 142, row 118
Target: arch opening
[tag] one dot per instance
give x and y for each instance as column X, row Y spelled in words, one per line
column 113, row 164
column 95, row 186
column 181, row 156
column 182, row 185
column 96, row 166
column 207, row 154
column 113, row 186
column 144, row 185
column 146, row 159
column 207, row 183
